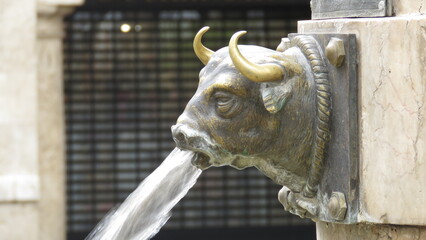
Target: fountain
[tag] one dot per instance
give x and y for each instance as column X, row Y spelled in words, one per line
column 256, row 107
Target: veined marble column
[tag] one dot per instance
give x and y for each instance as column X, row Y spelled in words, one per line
column 392, row 123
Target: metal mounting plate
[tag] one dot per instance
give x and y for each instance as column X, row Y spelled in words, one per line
column 341, row 167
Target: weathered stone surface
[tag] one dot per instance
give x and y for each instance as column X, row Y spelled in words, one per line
column 32, row 173
column 19, row 221
column 323, row 9
column 51, row 139
column 19, row 185
column 404, row 7
column 392, row 93
column 332, row 231
column 51, row 130
column 18, row 95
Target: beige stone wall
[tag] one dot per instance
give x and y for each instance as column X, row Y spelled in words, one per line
column 19, row 183
column 51, row 136
column 329, row 231
column 392, row 96
column 18, row 104
column 409, row 7
column 19, row 221
column 32, row 176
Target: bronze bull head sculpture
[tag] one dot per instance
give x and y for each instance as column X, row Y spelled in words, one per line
column 256, row 107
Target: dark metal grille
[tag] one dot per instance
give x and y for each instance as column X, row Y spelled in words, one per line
column 123, row 91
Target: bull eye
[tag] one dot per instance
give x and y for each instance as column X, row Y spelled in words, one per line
column 226, row 104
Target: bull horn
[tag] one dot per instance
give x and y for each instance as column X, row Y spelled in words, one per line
column 267, row 72
column 203, row 53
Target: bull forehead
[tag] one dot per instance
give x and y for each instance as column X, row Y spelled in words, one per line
column 220, row 72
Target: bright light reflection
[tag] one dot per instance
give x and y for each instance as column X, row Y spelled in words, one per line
column 125, row 27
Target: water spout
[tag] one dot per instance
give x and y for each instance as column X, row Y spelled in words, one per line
column 147, row 209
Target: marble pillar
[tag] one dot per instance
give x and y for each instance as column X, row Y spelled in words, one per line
column 32, row 176
column 19, row 178
column 51, row 129
column 392, row 121
column 332, row 231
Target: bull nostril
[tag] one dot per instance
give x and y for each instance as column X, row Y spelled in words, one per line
column 180, row 137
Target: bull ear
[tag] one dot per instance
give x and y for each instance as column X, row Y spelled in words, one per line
column 275, row 95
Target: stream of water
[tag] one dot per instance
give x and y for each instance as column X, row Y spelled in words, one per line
column 147, row 209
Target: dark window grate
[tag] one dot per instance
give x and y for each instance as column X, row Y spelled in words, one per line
column 123, row 92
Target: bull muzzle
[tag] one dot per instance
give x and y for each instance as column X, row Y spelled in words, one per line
column 190, row 139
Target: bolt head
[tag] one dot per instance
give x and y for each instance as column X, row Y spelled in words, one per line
column 337, row 206
column 335, row 51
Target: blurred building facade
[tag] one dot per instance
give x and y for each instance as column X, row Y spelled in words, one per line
column 130, row 70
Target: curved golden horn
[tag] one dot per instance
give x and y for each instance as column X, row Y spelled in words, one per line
column 267, row 72
column 203, row 53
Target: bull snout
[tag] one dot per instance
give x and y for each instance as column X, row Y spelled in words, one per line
column 190, row 139
column 179, row 136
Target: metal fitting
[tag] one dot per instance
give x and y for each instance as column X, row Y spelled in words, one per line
column 337, row 206
column 335, row 51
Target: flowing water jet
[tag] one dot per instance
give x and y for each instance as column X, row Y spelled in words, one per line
column 147, row 209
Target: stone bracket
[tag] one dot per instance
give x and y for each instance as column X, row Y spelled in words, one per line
column 19, row 188
column 337, row 192
column 323, row 9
